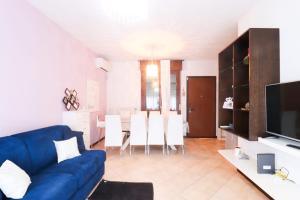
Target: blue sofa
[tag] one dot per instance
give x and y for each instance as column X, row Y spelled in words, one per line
column 35, row 152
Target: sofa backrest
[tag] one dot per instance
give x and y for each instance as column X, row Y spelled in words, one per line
column 40, row 145
column 14, row 149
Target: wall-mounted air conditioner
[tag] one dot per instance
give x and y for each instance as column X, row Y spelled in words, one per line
column 101, row 63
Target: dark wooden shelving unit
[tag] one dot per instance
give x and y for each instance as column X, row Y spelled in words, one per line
column 246, row 66
column 226, row 90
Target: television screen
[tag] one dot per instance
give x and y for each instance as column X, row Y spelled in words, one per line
column 283, row 109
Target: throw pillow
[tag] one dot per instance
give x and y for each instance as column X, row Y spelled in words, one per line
column 66, row 149
column 14, row 181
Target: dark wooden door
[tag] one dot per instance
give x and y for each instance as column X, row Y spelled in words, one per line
column 201, row 106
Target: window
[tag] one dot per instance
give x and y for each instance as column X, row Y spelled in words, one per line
column 175, row 70
column 150, row 85
column 151, row 88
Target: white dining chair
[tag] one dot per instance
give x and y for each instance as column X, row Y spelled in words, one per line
column 166, row 116
column 113, row 131
column 125, row 114
column 154, row 113
column 145, row 113
column 174, row 133
column 173, row 112
column 156, row 132
column 138, row 131
column 125, row 119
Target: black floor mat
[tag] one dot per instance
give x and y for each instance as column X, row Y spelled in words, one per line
column 110, row 190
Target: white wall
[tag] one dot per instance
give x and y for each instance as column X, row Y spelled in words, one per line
column 284, row 15
column 124, row 83
column 123, row 86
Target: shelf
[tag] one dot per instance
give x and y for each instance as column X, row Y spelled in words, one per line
column 231, row 130
column 241, row 67
column 240, row 110
column 227, row 89
column 272, row 185
column 280, row 144
column 262, row 65
column 242, row 135
column 226, row 69
column 241, row 64
column 242, row 86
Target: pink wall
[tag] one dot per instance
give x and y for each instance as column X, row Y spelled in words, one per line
column 38, row 60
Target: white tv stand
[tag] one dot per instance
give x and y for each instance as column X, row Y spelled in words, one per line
column 270, row 184
column 281, row 144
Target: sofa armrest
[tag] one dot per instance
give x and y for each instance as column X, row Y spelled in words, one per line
column 80, row 142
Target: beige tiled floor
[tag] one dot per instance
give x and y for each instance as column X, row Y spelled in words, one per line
column 201, row 173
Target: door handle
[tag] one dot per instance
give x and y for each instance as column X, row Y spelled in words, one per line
column 191, row 110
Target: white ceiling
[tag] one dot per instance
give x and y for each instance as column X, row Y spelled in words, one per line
column 175, row 29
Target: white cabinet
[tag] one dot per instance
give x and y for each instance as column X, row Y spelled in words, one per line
column 86, row 122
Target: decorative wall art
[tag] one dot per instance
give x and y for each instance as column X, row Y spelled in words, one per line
column 70, row 100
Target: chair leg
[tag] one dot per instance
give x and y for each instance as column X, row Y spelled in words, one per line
column 148, row 150
column 130, row 150
column 163, row 147
column 182, row 148
column 168, row 151
column 145, row 149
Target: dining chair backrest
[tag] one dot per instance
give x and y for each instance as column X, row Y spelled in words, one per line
column 145, row 113
column 166, row 116
column 113, row 131
column 125, row 115
column 138, row 131
column 154, row 113
column 172, row 113
column 175, row 130
column 156, row 130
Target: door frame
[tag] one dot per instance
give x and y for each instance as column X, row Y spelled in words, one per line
column 215, row 100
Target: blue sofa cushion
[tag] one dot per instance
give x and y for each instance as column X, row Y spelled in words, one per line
column 41, row 147
column 83, row 192
column 14, row 150
column 51, row 186
column 82, row 167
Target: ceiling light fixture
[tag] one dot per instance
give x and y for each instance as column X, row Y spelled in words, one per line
column 126, row 11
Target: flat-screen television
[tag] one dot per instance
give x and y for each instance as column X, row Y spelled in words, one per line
column 283, row 110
